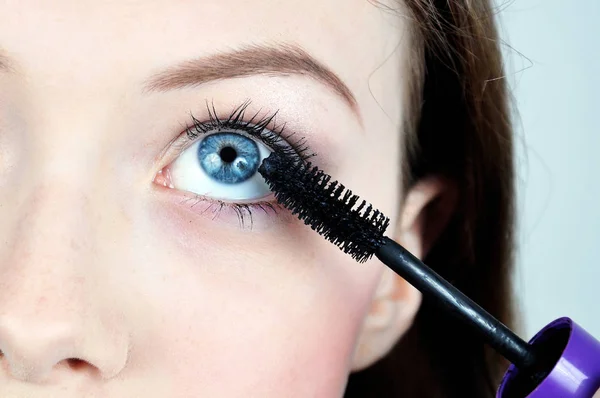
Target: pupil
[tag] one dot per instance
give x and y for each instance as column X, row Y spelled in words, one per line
column 228, row 154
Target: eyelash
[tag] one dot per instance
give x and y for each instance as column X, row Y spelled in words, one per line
column 276, row 138
column 295, row 148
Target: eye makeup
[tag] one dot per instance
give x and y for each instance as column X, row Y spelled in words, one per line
column 276, row 138
column 238, row 123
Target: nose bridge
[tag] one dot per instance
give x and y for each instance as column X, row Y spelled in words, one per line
column 57, row 170
column 52, row 229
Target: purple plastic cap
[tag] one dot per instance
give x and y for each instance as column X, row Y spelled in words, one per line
column 576, row 369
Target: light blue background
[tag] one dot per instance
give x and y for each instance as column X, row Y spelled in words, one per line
column 552, row 49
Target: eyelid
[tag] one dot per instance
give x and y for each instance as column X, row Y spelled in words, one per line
column 257, row 215
column 254, row 126
column 263, row 128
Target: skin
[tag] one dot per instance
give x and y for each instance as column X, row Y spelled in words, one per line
column 114, row 286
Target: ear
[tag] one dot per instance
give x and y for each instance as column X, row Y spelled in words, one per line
column 427, row 208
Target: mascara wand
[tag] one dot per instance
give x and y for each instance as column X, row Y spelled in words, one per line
column 538, row 367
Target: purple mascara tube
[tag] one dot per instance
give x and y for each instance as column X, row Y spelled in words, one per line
column 573, row 371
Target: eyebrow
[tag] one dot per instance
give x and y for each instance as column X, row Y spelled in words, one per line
column 251, row 60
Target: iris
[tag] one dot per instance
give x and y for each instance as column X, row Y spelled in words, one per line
column 229, row 158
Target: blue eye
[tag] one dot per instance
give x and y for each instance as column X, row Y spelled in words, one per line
column 222, row 166
column 228, row 157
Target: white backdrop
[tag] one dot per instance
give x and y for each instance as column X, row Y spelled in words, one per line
column 552, row 49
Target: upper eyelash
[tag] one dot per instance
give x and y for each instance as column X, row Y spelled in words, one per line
column 296, row 148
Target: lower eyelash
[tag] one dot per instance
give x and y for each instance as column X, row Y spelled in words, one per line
column 243, row 211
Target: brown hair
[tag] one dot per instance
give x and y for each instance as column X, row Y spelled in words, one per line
column 464, row 133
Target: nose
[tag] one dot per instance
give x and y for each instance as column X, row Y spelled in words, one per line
column 34, row 352
column 56, row 314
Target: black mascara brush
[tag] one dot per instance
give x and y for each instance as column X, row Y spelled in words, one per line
column 358, row 229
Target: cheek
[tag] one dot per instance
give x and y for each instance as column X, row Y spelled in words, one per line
column 276, row 313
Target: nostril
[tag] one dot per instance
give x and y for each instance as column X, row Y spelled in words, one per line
column 76, row 363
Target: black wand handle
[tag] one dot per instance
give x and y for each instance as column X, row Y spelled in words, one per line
column 436, row 288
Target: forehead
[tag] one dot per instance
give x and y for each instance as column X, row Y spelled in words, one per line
column 87, row 41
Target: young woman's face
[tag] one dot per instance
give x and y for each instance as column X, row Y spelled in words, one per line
column 115, row 285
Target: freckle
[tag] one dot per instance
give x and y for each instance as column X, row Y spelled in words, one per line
column 41, row 300
column 74, row 245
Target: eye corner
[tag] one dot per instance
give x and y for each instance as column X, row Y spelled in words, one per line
column 163, row 178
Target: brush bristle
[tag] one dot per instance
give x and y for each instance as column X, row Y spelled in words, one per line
column 328, row 207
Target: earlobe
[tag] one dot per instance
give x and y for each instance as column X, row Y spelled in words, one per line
column 428, row 207
column 392, row 313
